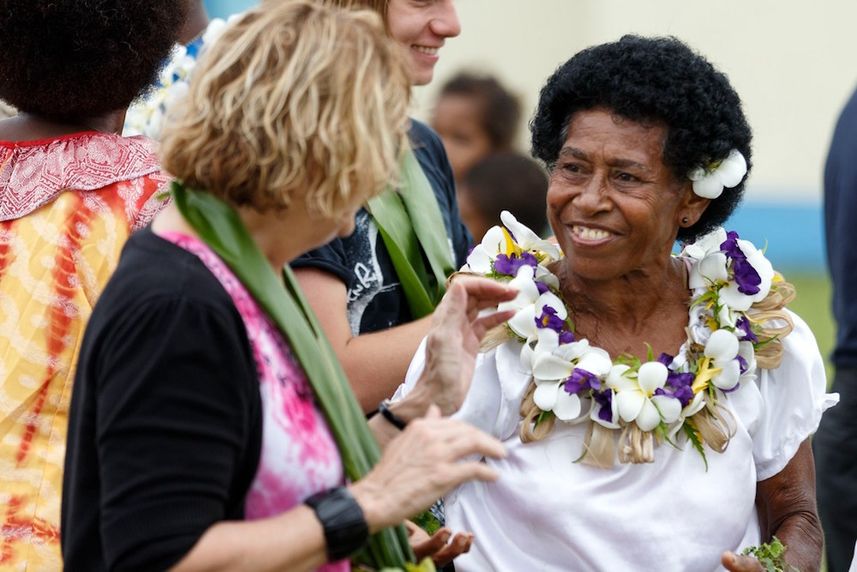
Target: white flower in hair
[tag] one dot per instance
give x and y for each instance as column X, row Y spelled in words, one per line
column 710, row 182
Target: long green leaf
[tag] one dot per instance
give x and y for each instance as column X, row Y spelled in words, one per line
column 412, row 228
column 219, row 226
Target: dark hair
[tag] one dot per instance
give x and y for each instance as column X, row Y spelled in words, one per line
column 645, row 80
column 68, row 59
column 509, row 181
column 501, row 110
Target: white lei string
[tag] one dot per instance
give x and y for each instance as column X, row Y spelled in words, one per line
column 641, row 400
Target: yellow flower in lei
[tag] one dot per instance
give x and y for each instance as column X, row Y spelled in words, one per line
column 656, row 398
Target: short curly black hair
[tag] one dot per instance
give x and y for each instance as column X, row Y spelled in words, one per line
column 501, row 110
column 69, row 59
column 645, row 80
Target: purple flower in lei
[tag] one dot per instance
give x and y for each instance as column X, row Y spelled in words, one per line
column 678, row 385
column 743, row 324
column 509, row 265
column 746, row 277
column 580, row 381
column 550, row 320
column 605, row 400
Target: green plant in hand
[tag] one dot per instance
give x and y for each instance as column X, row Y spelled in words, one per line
column 771, row 556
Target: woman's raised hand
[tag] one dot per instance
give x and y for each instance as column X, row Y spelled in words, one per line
column 421, row 465
column 456, row 332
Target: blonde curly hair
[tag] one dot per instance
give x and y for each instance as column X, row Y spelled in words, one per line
column 295, row 96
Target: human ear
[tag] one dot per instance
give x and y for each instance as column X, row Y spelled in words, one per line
column 691, row 206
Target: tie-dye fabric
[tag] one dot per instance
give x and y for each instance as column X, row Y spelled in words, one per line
column 299, row 456
column 67, row 205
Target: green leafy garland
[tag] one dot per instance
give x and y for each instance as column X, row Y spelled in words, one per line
column 219, row 226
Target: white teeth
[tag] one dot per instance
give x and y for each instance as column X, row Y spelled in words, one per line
column 590, row 233
column 426, row 50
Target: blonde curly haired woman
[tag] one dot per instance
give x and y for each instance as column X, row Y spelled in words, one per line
column 200, row 436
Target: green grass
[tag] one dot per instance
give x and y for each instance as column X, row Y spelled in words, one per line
column 813, row 305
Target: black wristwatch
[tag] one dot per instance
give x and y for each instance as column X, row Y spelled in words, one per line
column 345, row 527
column 392, row 418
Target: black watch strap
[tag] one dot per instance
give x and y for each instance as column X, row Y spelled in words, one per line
column 345, row 527
column 392, row 418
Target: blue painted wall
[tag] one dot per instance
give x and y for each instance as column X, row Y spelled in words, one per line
column 224, row 8
column 794, row 233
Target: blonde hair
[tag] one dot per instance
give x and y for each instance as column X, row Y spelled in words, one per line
column 295, row 96
column 379, row 6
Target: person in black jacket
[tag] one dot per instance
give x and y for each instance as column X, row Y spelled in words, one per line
column 835, row 444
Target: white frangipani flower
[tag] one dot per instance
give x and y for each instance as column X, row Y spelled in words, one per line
column 711, row 269
column 747, row 353
column 706, row 244
column 513, row 239
column 697, row 326
column 728, row 174
column 636, row 400
column 529, row 240
column 555, row 368
column 483, row 254
column 722, row 347
column 528, row 304
column 731, row 294
column 695, row 406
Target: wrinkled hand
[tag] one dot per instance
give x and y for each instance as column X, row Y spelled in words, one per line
column 438, row 546
column 740, row 563
column 453, row 341
column 421, row 465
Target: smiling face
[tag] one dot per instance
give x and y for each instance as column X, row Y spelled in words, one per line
column 421, row 27
column 613, row 204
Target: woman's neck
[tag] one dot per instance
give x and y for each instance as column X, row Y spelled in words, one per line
column 624, row 313
column 28, row 127
column 266, row 230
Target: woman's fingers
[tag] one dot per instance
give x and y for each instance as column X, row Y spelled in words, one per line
column 739, row 563
column 485, row 323
column 455, row 440
column 483, row 292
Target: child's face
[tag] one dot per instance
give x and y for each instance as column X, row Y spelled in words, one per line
column 457, row 119
column 475, row 220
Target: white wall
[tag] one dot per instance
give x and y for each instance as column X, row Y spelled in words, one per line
column 793, row 62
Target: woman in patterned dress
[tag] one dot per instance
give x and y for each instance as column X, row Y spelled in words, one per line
column 71, row 192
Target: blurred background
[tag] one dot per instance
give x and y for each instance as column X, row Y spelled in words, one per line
column 793, row 63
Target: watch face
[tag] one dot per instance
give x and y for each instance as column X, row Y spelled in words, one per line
column 345, row 527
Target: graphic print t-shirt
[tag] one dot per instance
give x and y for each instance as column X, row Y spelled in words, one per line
column 376, row 300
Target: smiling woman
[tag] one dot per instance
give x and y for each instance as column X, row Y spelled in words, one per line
column 619, row 351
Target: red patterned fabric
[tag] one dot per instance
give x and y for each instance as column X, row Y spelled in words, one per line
column 33, row 173
column 67, row 206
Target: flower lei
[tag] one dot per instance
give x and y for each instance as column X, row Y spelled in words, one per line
column 649, row 400
column 146, row 115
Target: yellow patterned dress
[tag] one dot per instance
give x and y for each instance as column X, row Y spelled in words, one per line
column 67, row 205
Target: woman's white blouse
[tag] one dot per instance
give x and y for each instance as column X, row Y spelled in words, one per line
column 547, row 512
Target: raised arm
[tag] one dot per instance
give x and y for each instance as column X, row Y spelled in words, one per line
column 375, row 363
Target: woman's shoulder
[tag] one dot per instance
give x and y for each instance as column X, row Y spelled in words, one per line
column 34, row 173
column 154, row 274
column 784, row 405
